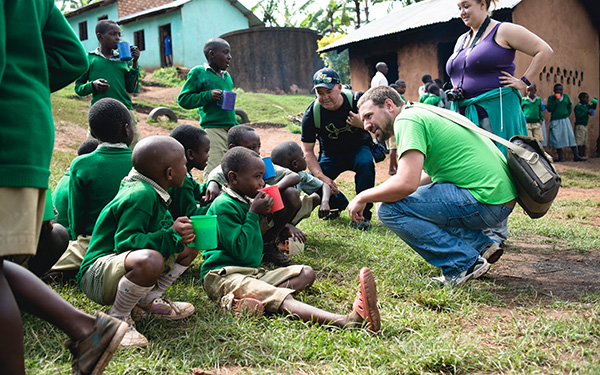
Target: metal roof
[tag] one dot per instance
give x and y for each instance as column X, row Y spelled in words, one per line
column 414, row 16
column 147, row 12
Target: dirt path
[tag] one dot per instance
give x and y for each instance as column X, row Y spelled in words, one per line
column 526, row 265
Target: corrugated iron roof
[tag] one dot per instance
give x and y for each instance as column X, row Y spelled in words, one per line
column 425, row 13
column 146, row 12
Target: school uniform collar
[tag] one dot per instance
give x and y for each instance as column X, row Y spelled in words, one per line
column 531, row 100
column 114, row 57
column 208, row 67
column 134, row 175
column 113, row 145
column 238, row 197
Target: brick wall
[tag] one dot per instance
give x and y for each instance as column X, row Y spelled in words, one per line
column 127, row 7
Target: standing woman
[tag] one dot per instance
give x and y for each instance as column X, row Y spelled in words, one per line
column 482, row 70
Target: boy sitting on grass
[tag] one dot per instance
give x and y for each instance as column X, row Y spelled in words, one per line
column 192, row 198
column 290, row 155
column 274, row 226
column 95, row 179
column 137, row 251
column 230, row 273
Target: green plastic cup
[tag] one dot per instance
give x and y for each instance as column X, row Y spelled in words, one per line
column 205, row 229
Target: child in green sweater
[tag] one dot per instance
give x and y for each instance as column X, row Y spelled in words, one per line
column 532, row 109
column 137, row 250
column 583, row 110
column 230, row 273
column 276, row 227
column 108, row 76
column 203, row 89
column 192, row 198
column 95, row 178
column 39, row 54
column 561, row 131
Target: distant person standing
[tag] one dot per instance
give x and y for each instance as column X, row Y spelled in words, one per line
column 379, row 78
column 532, row 109
column 108, row 76
column 561, row 131
column 204, row 90
column 168, row 50
column 426, row 79
column 583, row 110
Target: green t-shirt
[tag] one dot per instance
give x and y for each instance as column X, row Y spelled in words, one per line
column 120, row 75
column 137, row 218
column 456, row 155
column 239, row 238
column 39, row 53
column 195, row 93
column 95, row 180
column 532, row 109
column 60, row 200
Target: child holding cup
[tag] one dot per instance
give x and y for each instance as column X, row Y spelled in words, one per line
column 209, row 88
column 111, row 75
column 561, row 131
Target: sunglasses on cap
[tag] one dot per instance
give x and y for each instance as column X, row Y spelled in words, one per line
column 326, row 79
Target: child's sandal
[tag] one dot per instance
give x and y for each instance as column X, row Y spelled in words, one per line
column 365, row 303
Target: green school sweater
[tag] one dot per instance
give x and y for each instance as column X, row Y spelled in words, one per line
column 95, row 180
column 137, row 218
column 560, row 108
column 239, row 239
column 60, row 200
column 121, row 77
column 432, row 100
column 582, row 117
column 532, row 109
column 195, row 93
column 187, row 198
column 39, row 54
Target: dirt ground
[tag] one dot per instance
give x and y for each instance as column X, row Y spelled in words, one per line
column 548, row 272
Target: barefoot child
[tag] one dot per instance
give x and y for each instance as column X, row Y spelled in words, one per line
column 108, row 76
column 137, row 251
column 192, row 198
column 95, row 179
column 231, row 273
column 203, row 89
column 290, row 155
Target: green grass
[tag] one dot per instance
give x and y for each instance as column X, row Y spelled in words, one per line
column 578, row 178
column 483, row 327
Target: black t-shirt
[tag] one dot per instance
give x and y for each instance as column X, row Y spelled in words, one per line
column 335, row 136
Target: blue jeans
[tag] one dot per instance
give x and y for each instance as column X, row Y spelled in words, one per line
column 361, row 162
column 444, row 224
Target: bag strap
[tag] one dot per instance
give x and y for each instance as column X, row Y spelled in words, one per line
column 531, row 157
column 317, row 108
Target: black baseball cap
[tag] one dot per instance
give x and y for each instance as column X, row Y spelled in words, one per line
column 326, row 77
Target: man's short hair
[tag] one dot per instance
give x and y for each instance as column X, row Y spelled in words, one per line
column 236, row 159
column 104, row 25
column 426, row 78
column 284, row 153
column 213, row 43
column 236, row 134
column 581, row 95
column 191, row 137
column 379, row 94
column 107, row 117
column 380, row 64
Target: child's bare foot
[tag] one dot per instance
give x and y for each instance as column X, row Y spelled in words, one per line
column 365, row 312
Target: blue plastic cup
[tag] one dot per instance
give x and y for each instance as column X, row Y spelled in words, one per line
column 591, row 112
column 269, row 168
column 124, row 51
column 228, row 101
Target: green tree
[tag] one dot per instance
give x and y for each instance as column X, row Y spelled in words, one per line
column 67, row 5
column 339, row 62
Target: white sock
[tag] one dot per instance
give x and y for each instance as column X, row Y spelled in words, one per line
column 163, row 283
column 128, row 295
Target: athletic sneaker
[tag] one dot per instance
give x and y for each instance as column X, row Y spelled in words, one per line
column 92, row 354
column 492, row 253
column 163, row 307
column 132, row 338
column 480, row 267
column 332, row 215
column 363, row 225
column 271, row 254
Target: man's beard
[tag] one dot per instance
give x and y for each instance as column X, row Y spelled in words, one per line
column 387, row 130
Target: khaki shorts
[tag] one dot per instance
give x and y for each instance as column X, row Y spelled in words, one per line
column 251, row 282
column 534, row 130
column 581, row 135
column 101, row 280
column 21, row 214
column 73, row 256
column 218, row 148
column 391, row 143
column 306, row 208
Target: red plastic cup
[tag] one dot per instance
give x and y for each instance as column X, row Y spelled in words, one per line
column 558, row 95
column 273, row 191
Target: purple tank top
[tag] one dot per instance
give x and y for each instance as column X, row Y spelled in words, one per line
column 484, row 64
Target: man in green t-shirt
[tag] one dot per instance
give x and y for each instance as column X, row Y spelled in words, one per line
column 451, row 184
